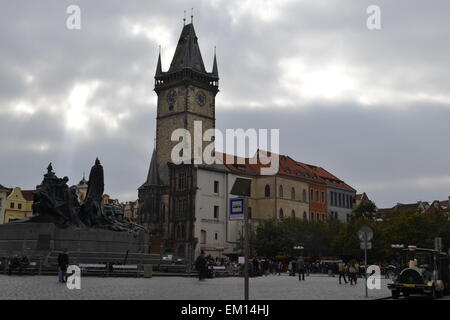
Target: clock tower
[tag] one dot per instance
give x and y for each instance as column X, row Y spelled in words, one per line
column 186, row 93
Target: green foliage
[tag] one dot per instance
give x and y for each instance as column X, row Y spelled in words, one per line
column 365, row 209
column 340, row 239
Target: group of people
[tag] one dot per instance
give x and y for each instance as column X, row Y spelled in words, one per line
column 18, row 263
column 348, row 271
column 297, row 266
column 351, row 270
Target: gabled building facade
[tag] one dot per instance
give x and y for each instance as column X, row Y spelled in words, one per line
column 18, row 204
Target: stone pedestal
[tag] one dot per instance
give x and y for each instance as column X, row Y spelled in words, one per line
column 41, row 238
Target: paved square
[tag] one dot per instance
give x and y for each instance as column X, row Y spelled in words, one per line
column 181, row 288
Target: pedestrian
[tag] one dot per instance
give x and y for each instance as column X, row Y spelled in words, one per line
column 341, row 270
column 301, row 268
column 294, row 267
column 63, row 264
column 201, row 265
column 266, row 267
column 256, row 267
column 358, row 269
column 353, row 274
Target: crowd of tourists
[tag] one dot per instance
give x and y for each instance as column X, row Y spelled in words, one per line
column 347, row 272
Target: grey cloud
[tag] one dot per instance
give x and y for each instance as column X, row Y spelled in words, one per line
column 362, row 146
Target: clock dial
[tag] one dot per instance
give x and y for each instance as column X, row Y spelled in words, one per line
column 201, row 98
column 172, row 96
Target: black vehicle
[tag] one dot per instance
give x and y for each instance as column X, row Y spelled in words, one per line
column 425, row 271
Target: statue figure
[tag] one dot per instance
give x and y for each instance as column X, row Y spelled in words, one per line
column 55, row 202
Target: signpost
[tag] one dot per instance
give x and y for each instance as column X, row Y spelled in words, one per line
column 239, row 211
column 237, row 206
column 365, row 234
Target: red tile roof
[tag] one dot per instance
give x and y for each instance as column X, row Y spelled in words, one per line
column 28, row 194
column 287, row 167
column 444, row 203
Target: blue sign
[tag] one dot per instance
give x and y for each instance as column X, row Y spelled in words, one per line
column 237, row 209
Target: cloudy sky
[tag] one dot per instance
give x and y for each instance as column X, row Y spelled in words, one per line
column 372, row 106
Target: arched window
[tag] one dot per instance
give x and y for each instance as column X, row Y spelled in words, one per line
column 293, row 214
column 318, row 216
column 280, row 191
column 305, row 196
column 305, row 216
column 293, row 194
column 311, row 216
column 281, row 214
column 267, row 191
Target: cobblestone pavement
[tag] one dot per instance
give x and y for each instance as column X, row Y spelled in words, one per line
column 182, row 288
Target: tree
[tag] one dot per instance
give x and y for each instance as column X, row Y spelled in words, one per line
column 365, row 209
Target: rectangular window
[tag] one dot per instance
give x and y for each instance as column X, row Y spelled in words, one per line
column 202, row 236
column 216, row 236
column 19, row 206
column 323, row 197
column 216, row 186
column 249, row 212
column 11, row 205
column 216, row 212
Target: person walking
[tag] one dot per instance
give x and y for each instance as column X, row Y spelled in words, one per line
column 341, row 270
column 201, row 265
column 353, row 274
column 301, row 268
column 63, row 264
column 279, row 267
column 294, row 267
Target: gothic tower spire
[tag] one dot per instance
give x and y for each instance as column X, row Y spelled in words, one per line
column 158, row 66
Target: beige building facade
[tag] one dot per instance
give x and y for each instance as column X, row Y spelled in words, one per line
column 18, row 205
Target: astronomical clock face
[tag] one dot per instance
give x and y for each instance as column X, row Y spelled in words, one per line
column 201, row 98
column 171, row 96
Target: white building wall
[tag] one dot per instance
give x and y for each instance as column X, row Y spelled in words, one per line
column 206, row 199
